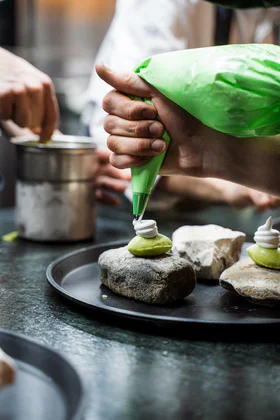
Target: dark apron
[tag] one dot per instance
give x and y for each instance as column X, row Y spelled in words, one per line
column 246, row 4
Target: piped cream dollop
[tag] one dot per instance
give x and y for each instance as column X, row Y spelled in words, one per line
column 266, row 237
column 145, row 228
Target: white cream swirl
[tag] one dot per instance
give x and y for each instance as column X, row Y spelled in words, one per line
column 267, row 237
column 145, row 228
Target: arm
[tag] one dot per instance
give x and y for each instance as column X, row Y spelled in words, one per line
column 217, row 191
column 195, row 149
column 206, row 190
column 253, row 162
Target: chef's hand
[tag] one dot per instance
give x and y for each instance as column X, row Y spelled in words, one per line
column 135, row 136
column 195, row 149
column 27, row 96
column 109, row 180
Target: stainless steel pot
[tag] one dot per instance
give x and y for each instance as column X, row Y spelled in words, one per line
column 54, row 189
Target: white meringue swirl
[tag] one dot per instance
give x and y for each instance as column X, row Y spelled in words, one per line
column 267, row 237
column 145, row 228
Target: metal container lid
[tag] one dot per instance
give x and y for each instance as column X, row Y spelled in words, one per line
column 58, row 141
column 65, row 159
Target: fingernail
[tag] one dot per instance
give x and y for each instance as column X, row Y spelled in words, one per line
column 156, row 129
column 149, row 114
column 158, row 145
column 108, row 68
column 264, row 200
column 104, row 64
column 36, row 130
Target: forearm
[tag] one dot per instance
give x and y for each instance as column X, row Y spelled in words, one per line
column 254, row 162
column 202, row 189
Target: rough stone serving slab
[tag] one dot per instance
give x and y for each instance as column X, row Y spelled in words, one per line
column 259, row 285
column 210, row 248
column 158, row 280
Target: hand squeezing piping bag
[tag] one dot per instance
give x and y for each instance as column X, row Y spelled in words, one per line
column 144, row 176
column 233, row 89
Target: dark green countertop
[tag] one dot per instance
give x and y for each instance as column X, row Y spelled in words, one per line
column 135, row 374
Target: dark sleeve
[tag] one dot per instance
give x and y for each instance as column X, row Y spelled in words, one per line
column 246, row 4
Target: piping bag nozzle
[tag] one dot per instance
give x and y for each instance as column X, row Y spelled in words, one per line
column 139, row 203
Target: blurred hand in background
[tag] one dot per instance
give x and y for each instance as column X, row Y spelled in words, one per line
column 109, row 181
column 217, row 191
column 27, row 96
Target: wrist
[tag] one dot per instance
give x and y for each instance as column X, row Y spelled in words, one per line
column 218, row 153
column 253, row 162
column 218, row 190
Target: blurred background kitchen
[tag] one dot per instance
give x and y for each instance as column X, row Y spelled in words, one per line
column 61, row 38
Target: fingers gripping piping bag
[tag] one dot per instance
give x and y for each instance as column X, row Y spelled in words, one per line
column 144, row 176
column 234, row 89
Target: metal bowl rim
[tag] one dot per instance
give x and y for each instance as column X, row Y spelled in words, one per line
column 71, row 142
column 80, row 408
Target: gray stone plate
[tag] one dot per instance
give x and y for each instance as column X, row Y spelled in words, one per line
column 76, row 277
column 47, row 387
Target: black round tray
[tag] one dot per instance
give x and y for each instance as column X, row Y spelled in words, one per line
column 47, row 386
column 76, row 277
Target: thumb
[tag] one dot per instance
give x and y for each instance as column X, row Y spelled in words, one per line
column 128, row 83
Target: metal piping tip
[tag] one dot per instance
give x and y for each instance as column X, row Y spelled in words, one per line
column 138, row 217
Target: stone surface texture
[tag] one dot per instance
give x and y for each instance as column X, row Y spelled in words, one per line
column 158, row 280
column 210, row 248
column 259, row 285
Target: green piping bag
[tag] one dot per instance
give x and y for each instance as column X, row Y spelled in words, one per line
column 233, row 89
